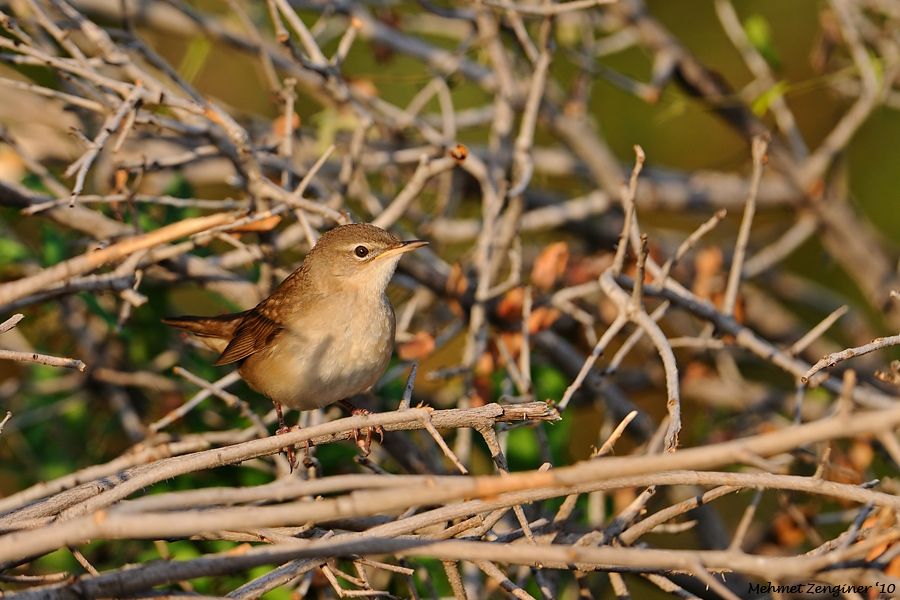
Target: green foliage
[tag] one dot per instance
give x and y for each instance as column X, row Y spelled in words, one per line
column 524, row 445
column 436, row 576
column 550, row 383
column 53, row 245
column 391, row 392
column 94, row 306
column 761, row 104
column 281, row 593
column 58, row 561
column 195, row 58
column 336, row 458
column 43, row 372
column 34, row 183
column 11, row 250
column 759, row 32
column 180, row 187
column 329, row 124
column 522, row 449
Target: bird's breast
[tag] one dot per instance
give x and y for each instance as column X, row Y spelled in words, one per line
column 325, row 355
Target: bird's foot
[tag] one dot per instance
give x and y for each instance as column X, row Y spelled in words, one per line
column 289, row 451
column 363, row 436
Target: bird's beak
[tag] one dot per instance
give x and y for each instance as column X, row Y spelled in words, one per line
column 403, row 247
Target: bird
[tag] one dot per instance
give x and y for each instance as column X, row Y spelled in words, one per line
column 325, row 334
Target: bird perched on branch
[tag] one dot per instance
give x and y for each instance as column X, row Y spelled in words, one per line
column 325, row 334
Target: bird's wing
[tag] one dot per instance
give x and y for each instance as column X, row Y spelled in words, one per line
column 221, row 326
column 255, row 332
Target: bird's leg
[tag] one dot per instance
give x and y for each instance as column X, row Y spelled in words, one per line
column 364, row 443
column 282, row 429
column 308, row 460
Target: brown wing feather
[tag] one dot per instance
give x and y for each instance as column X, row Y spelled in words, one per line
column 255, row 332
column 221, row 326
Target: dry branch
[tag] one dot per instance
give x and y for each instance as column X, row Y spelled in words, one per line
column 91, row 520
column 10, row 292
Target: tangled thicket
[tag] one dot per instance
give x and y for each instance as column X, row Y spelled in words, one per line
column 585, row 399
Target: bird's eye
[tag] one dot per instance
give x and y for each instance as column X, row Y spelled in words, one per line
column 361, row 251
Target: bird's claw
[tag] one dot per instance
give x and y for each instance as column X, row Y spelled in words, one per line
column 362, row 437
column 289, row 450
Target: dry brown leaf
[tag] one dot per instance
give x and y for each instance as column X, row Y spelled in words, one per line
column 841, row 468
column 239, row 550
column 213, row 116
column 583, row 269
column 267, row 224
column 457, row 283
column 708, row 264
column 550, row 265
column 861, row 454
column 120, row 179
column 459, row 152
column 510, row 306
column 893, row 569
column 816, row 189
column 278, row 125
column 739, row 312
column 542, row 318
column 12, row 167
column 574, row 109
column 482, row 392
column 365, row 87
column 513, row 342
column 787, row 531
column 485, row 364
column 623, row 497
column 881, row 520
column 766, row 427
column 417, row 348
column 696, row 370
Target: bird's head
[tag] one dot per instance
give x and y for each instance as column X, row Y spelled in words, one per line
column 359, row 256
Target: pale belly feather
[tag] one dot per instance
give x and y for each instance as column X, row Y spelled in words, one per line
column 304, row 373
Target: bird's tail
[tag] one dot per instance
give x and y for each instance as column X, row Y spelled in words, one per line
column 221, row 326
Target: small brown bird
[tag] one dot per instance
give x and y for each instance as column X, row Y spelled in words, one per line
column 326, row 333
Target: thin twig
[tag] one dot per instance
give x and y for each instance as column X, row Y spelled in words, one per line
column 549, row 10
column 5, row 420
column 429, row 427
column 814, row 333
column 744, row 525
column 614, row 328
column 758, row 151
column 836, row 357
column 607, row 446
column 43, row 359
column 627, row 195
column 89, row 261
column 83, row 164
column 406, row 400
column 11, row 322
